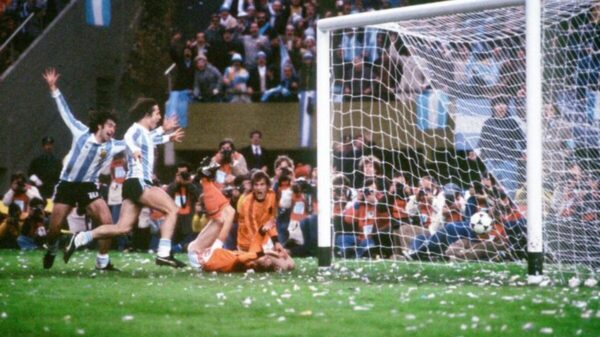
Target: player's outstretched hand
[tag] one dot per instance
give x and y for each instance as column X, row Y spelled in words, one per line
column 170, row 123
column 51, row 77
column 178, row 135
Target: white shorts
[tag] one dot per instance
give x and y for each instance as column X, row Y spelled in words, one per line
column 197, row 259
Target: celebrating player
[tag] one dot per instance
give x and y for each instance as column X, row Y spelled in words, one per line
column 92, row 149
column 138, row 191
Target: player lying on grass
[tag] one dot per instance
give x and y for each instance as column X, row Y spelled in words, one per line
column 138, row 191
column 92, row 150
column 207, row 253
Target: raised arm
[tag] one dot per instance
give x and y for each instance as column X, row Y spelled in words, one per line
column 76, row 127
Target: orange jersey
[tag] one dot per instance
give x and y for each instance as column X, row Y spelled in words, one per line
column 252, row 215
column 118, row 170
column 399, row 210
column 214, row 200
column 367, row 218
column 227, row 261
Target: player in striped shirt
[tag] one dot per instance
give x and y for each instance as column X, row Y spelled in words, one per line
column 92, row 150
column 138, row 191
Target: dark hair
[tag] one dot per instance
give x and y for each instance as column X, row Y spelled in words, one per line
column 99, row 117
column 260, row 175
column 184, row 164
column 253, row 132
column 18, row 176
column 227, row 141
column 142, row 108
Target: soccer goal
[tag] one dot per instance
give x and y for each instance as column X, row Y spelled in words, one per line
column 461, row 130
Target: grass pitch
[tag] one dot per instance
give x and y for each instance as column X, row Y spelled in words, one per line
column 353, row 299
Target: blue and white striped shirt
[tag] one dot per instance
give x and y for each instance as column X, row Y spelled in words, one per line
column 140, row 139
column 87, row 157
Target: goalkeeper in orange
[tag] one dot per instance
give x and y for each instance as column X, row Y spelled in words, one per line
column 206, row 252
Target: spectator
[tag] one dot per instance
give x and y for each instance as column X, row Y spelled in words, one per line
column 307, row 86
column 249, row 17
column 350, row 45
column 180, row 95
column 255, row 154
column 232, row 164
column 20, row 192
column 186, row 194
column 502, row 145
column 413, row 80
column 253, row 44
column 286, row 91
column 10, row 228
column 46, row 167
column 358, row 79
column 33, row 231
column 368, row 218
column 214, row 31
column 278, row 18
column 227, row 21
column 235, row 80
column 281, row 164
column 262, row 77
column 264, row 26
column 207, row 81
column 200, row 45
column 482, row 71
column 222, row 52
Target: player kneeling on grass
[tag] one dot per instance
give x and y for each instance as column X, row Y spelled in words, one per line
column 206, row 252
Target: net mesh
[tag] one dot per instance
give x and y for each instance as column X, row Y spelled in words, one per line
column 428, row 135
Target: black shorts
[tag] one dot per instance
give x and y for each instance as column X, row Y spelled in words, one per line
column 76, row 193
column 133, row 189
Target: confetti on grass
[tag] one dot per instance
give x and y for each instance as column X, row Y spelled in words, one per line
column 127, row 318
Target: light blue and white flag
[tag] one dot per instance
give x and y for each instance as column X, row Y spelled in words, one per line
column 432, row 110
column 97, row 12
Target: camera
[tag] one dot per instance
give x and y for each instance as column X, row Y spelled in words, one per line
column 185, row 175
column 401, row 191
column 301, row 185
column 227, row 156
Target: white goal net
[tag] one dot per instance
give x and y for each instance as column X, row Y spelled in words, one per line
column 428, row 130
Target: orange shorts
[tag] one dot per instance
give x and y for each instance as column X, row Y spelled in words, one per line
column 214, row 200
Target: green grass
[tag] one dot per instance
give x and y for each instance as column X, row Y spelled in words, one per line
column 354, row 299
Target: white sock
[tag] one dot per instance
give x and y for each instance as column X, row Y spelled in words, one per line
column 193, row 259
column 164, row 247
column 82, row 239
column 102, row 260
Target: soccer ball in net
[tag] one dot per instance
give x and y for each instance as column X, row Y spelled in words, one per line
column 481, row 222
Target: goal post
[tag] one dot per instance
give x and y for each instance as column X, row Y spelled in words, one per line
column 415, row 112
column 533, row 38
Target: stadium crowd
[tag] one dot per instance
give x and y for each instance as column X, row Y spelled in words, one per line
column 13, row 13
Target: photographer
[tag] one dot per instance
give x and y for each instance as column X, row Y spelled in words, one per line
column 371, row 218
column 11, row 227
column 33, row 231
column 20, row 192
column 302, row 206
column 185, row 194
column 232, row 163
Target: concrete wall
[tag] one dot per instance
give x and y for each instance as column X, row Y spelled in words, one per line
column 83, row 55
column 279, row 122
